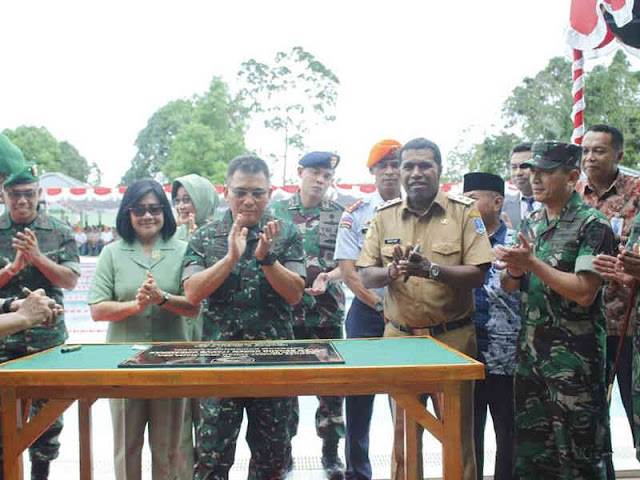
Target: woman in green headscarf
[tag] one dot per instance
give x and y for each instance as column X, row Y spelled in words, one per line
column 195, row 200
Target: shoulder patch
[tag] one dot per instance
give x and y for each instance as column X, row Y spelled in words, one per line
column 354, row 206
column 456, row 197
column 389, row 203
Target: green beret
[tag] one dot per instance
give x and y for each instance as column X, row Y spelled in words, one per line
column 28, row 174
column 11, row 158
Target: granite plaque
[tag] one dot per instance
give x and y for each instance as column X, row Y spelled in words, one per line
column 216, row 354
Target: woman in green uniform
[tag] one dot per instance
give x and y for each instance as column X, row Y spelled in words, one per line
column 136, row 287
column 196, row 201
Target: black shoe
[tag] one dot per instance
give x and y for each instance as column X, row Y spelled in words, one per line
column 40, row 470
column 333, row 466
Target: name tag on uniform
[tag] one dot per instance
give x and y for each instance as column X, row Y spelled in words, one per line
column 617, row 223
column 392, row 241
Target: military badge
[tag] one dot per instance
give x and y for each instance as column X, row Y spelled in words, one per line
column 480, row 228
column 346, row 223
column 333, row 161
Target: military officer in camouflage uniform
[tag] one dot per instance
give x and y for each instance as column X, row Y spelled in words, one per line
column 624, row 269
column 321, row 312
column 561, row 411
column 249, row 270
column 42, row 253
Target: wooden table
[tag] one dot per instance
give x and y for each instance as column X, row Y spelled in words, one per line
column 404, row 367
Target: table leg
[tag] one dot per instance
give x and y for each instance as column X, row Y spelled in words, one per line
column 86, row 452
column 452, row 453
column 11, row 423
column 413, row 457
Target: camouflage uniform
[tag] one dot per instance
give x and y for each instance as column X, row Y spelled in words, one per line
column 56, row 241
column 244, row 307
column 634, row 238
column 318, row 317
column 561, row 412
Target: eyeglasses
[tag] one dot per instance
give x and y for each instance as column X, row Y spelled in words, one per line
column 184, row 201
column 141, row 210
column 17, row 194
column 256, row 194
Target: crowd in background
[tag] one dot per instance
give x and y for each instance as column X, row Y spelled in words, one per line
column 92, row 239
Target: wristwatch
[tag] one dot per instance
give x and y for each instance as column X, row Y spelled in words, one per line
column 379, row 306
column 434, row 271
column 268, row 260
column 6, row 305
column 165, row 299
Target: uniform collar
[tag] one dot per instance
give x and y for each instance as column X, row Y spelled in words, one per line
column 296, row 203
column 499, row 234
column 254, row 230
column 568, row 213
column 439, row 203
column 41, row 222
column 615, row 186
column 159, row 252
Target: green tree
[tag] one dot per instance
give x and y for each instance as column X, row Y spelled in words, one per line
column 40, row 146
column 492, row 155
column 540, row 109
column 199, row 135
column 288, row 96
column 612, row 96
column 541, row 106
column 72, row 163
column 37, row 145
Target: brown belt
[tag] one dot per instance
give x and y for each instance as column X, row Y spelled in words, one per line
column 433, row 331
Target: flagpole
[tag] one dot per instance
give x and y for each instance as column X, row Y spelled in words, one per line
column 577, row 112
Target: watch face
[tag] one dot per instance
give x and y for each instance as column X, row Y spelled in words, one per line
column 434, row 270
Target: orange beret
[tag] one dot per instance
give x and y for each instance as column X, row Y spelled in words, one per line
column 382, row 150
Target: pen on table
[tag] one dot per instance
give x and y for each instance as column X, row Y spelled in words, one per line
column 415, row 249
column 70, row 348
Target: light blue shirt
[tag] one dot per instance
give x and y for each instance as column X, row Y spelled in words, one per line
column 353, row 228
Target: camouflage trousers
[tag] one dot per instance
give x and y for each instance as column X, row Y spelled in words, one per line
column 329, row 419
column 635, row 392
column 561, row 432
column 268, row 437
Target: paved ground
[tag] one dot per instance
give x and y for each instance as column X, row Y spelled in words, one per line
column 306, row 446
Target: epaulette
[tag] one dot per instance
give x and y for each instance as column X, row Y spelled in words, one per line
column 354, row 206
column 456, row 197
column 389, row 203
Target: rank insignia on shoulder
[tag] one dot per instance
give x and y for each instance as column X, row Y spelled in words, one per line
column 389, row 203
column 456, row 197
column 354, row 206
column 392, row 241
column 480, row 228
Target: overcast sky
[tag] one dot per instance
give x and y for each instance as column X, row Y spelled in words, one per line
column 93, row 73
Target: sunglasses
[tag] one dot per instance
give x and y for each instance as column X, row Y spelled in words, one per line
column 141, row 210
column 241, row 193
column 17, row 194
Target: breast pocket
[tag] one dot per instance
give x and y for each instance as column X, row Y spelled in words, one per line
column 446, row 253
column 387, row 254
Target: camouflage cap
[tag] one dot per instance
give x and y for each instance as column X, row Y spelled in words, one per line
column 11, row 158
column 551, row 155
column 27, row 174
